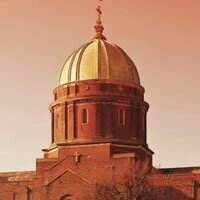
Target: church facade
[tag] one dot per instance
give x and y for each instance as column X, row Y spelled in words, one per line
column 98, row 123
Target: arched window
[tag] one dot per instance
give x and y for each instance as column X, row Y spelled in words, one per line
column 85, row 116
column 66, row 197
column 121, row 117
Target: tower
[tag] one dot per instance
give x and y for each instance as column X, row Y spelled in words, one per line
column 99, row 98
column 98, row 121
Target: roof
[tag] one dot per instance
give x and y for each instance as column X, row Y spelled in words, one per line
column 17, row 176
column 178, row 170
column 99, row 59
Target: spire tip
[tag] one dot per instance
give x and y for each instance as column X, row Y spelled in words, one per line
column 98, row 27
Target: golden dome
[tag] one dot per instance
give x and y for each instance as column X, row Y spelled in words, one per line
column 99, row 59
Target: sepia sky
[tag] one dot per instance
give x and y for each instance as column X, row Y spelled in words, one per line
column 161, row 36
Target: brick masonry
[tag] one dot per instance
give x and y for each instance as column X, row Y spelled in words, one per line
column 98, row 136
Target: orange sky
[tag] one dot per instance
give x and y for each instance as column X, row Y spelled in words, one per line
column 162, row 38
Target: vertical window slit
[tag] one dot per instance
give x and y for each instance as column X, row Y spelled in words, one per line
column 85, row 116
column 121, row 116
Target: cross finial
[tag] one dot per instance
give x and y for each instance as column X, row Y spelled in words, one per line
column 98, row 27
column 98, row 9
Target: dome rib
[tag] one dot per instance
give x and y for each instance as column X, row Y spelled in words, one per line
column 99, row 59
column 107, row 60
column 79, row 60
column 63, row 68
column 71, row 64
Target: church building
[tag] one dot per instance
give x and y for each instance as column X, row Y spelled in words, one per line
column 98, row 134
